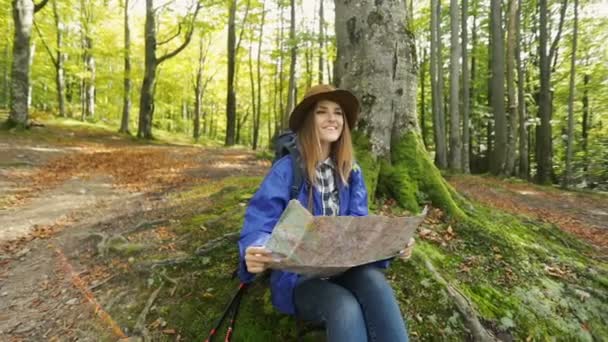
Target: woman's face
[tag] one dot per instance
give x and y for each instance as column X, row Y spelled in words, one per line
column 329, row 121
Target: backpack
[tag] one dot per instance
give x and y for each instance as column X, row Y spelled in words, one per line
column 286, row 144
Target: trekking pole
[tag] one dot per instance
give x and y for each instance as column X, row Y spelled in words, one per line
column 225, row 313
column 235, row 311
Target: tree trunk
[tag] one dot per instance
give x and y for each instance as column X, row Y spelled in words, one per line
column 376, row 60
column 7, row 78
column 89, row 60
column 455, row 160
column 568, row 172
column 198, row 92
column 321, row 40
column 511, row 155
column 252, row 82
column 466, row 81
column 585, row 123
column 292, row 66
column 23, row 16
column 544, row 136
column 59, row 63
column 279, row 122
column 126, row 103
column 230, row 96
column 472, row 92
column 497, row 157
column 524, row 168
column 258, row 116
column 437, row 88
column 423, row 98
column 146, row 99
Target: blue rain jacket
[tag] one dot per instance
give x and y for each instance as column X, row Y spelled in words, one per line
column 265, row 209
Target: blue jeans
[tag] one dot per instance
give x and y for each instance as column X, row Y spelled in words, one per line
column 358, row 305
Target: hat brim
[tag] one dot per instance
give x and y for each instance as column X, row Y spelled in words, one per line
column 347, row 101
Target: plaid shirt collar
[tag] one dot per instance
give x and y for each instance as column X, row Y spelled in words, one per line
column 326, row 181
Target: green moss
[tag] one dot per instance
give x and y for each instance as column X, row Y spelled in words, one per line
column 415, row 170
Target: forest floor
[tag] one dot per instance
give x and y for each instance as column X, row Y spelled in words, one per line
column 104, row 237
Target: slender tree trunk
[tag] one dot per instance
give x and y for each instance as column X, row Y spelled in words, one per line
column 7, row 78
column 146, row 100
column 258, row 115
column 281, row 71
column 437, row 87
column 455, row 160
column 472, row 91
column 321, row 40
column 423, row 98
column 511, row 156
column 252, row 82
column 198, row 92
column 292, row 66
column 497, row 158
column 544, row 134
column 231, row 97
column 524, row 169
column 151, row 62
column 585, row 123
column 568, row 172
column 88, row 59
column 59, row 62
column 126, row 102
column 465, row 89
column 23, row 16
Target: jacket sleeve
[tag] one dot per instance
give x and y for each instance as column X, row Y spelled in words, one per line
column 358, row 203
column 263, row 212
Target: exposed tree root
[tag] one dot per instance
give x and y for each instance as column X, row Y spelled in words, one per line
column 140, row 325
column 464, row 305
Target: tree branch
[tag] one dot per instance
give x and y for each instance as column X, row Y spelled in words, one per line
column 186, row 42
column 55, row 62
column 40, row 6
column 179, row 31
column 562, row 14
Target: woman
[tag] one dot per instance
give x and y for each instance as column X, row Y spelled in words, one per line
column 359, row 304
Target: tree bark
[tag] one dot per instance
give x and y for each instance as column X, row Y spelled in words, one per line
column 497, row 158
column 23, row 17
column 258, row 114
column 88, row 110
column 524, row 169
column 437, row 88
column 568, row 172
column 198, row 90
column 126, row 101
column 455, row 160
column 230, row 96
column 291, row 92
column 511, row 154
column 466, row 81
column 423, row 127
column 585, row 124
column 544, row 136
column 321, row 40
column 59, row 62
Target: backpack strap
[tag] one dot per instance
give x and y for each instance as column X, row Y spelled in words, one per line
column 297, row 171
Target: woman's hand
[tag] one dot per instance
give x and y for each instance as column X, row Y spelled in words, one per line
column 407, row 252
column 257, row 259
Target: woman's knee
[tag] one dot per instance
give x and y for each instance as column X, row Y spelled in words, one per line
column 371, row 276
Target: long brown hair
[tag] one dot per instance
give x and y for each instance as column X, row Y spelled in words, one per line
column 310, row 148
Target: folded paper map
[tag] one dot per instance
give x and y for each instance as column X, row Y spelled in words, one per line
column 323, row 246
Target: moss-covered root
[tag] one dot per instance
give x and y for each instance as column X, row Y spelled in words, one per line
column 368, row 162
column 464, row 305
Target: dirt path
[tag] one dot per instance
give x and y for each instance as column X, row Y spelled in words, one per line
column 56, row 196
column 582, row 214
